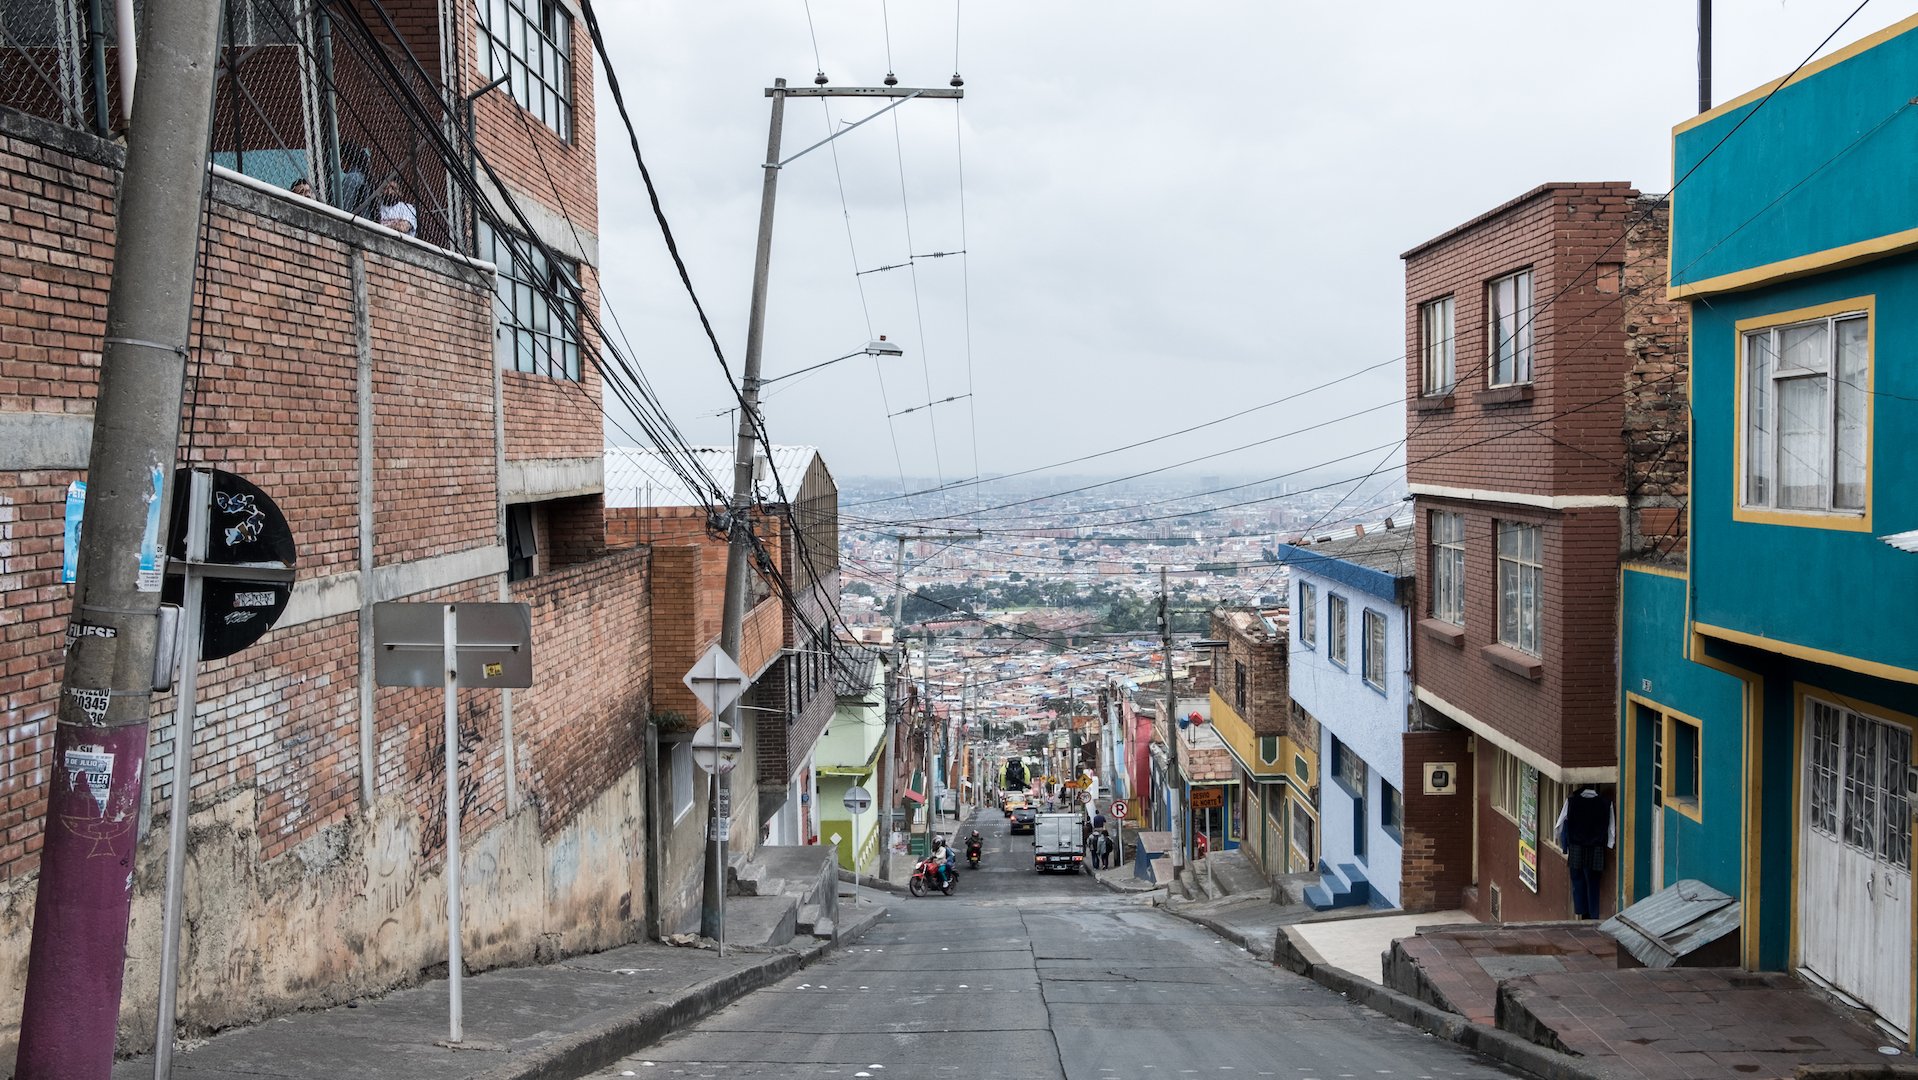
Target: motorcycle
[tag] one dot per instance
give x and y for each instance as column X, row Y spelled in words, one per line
column 926, row 876
column 973, row 851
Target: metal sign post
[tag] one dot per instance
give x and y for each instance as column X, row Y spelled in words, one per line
column 240, row 586
column 1118, row 815
column 857, row 800
column 716, row 749
column 496, row 651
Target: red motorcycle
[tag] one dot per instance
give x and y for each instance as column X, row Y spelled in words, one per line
column 926, row 876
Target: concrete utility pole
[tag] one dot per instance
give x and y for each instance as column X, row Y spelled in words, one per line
column 738, row 534
column 1171, row 727
column 72, row 1002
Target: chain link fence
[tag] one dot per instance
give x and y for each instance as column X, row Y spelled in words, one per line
column 59, row 61
column 310, row 95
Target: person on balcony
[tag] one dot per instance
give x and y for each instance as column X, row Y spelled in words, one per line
column 396, row 213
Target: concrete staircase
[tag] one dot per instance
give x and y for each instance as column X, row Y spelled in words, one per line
column 782, row 893
column 1343, row 885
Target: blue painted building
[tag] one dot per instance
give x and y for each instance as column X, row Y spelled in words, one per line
column 1769, row 686
column 1352, row 674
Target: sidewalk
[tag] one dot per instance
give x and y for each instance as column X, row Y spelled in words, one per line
column 1550, row 998
column 537, row 1023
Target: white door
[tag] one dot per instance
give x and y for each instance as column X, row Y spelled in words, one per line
column 1854, row 899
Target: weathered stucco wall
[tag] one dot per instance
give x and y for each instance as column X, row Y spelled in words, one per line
column 352, row 911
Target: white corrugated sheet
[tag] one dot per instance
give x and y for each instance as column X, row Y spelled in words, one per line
column 637, row 477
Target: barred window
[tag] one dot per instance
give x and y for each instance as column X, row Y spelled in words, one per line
column 531, row 43
column 536, row 305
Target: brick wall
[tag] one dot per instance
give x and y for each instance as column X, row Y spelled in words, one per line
column 1436, row 863
column 1559, row 434
column 583, row 724
column 434, row 463
column 1267, row 670
column 1498, row 865
column 1657, row 417
column 1565, row 713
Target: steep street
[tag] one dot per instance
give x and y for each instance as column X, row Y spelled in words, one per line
column 1028, row 977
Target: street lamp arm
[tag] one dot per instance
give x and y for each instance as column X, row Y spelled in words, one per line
column 881, row 347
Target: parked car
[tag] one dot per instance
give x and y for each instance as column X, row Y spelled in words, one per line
column 1023, row 820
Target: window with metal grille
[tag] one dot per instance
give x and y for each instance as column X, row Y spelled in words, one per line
column 1238, row 686
column 531, row 43
column 1821, row 800
column 535, row 305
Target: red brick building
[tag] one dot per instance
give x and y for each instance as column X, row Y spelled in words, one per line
column 1516, row 345
column 786, row 642
column 426, row 411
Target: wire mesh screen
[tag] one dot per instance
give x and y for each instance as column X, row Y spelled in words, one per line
column 311, row 98
column 309, row 95
column 59, row 60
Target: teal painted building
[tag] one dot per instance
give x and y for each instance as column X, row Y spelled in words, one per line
column 1768, row 688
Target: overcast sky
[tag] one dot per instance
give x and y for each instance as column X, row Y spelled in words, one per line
column 1171, row 210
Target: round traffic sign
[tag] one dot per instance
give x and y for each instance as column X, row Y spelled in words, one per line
column 1119, row 809
column 716, row 751
column 1086, row 796
column 858, row 799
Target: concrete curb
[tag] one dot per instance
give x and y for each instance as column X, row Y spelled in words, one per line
column 585, row 1051
column 868, row 881
column 1294, row 954
column 1262, row 950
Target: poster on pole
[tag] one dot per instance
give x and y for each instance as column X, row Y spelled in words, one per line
column 1528, row 827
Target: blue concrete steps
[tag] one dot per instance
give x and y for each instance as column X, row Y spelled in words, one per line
column 1339, row 886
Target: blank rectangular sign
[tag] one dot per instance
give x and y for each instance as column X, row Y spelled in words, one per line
column 494, row 646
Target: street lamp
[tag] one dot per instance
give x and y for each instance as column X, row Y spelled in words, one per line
column 881, row 347
column 738, row 539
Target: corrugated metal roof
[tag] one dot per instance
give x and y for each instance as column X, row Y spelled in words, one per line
column 1385, row 550
column 853, row 669
column 638, row 477
column 1904, row 541
column 1675, row 921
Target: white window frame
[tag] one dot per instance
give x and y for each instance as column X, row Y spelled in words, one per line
column 1515, row 327
column 1446, row 532
column 1840, row 452
column 1520, row 585
column 1308, row 614
column 1371, row 651
column 682, row 770
column 1438, row 368
column 1338, row 627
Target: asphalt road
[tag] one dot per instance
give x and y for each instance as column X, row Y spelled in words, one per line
column 1021, row 976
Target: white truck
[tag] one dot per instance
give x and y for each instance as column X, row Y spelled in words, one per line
column 1058, row 843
